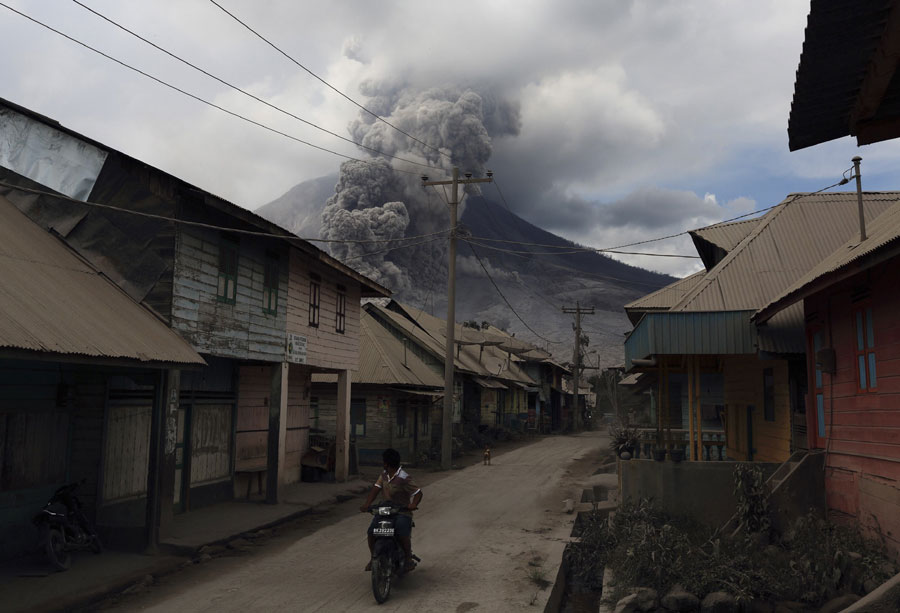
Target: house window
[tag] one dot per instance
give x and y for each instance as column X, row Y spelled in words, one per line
column 424, row 416
column 769, row 394
column 401, row 419
column 315, row 299
column 340, row 320
column 270, row 284
column 867, row 378
column 228, row 267
column 314, row 409
column 358, row 417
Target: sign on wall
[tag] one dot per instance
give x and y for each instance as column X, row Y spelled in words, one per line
column 296, row 349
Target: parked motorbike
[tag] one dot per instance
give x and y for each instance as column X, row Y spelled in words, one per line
column 388, row 558
column 63, row 527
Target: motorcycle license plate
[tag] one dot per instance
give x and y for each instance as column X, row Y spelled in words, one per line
column 383, row 532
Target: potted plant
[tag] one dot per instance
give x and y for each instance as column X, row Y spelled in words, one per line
column 623, row 439
column 659, row 451
column 676, row 453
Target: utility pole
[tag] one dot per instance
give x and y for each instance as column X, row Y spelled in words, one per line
column 578, row 312
column 446, row 436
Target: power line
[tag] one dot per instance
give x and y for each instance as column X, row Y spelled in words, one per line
column 244, row 92
column 326, row 83
column 530, row 329
column 476, row 239
column 190, row 95
column 652, row 240
column 200, row 224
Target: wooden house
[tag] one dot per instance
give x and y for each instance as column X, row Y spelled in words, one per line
column 850, row 301
column 846, row 86
column 265, row 308
column 85, row 377
column 396, row 397
column 718, row 371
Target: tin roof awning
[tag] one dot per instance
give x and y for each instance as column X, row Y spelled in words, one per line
column 53, row 303
column 692, row 333
column 489, row 383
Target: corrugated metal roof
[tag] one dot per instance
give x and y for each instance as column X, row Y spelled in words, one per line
column 117, row 177
column 490, row 361
column 725, row 235
column 788, row 242
column 882, row 232
column 666, row 297
column 715, row 242
column 842, row 39
column 784, row 333
column 53, row 301
column 705, row 333
column 384, row 360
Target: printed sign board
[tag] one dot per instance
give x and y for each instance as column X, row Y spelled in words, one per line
column 296, row 349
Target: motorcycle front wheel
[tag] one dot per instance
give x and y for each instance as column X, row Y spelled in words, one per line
column 381, row 578
column 55, row 548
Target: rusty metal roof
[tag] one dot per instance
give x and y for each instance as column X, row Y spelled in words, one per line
column 846, row 76
column 882, row 233
column 788, row 242
column 52, row 301
column 384, row 360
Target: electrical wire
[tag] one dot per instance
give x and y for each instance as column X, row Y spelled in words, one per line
column 190, row 95
column 475, row 240
column 524, row 323
column 200, row 224
column 326, row 83
column 244, row 92
column 660, row 238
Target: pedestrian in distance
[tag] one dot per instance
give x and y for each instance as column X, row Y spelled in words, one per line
column 487, row 455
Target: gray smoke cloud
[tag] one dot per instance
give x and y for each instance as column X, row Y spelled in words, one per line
column 375, row 201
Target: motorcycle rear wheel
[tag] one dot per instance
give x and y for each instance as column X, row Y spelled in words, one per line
column 96, row 545
column 381, row 578
column 55, row 548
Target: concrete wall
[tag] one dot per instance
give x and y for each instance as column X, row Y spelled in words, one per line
column 700, row 489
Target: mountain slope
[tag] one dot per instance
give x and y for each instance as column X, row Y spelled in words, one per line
column 527, row 286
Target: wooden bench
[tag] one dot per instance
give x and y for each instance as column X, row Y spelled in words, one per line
column 259, row 468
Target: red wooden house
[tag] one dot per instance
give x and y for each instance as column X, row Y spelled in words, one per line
column 851, row 305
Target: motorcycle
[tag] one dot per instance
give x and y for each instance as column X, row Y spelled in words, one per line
column 63, row 528
column 388, row 558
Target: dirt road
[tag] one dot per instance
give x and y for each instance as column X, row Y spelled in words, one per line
column 486, row 536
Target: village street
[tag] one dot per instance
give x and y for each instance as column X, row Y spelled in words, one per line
column 476, row 532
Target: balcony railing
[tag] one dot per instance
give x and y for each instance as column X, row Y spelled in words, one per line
column 714, row 447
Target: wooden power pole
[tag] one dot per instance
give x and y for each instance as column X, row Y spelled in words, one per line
column 578, row 311
column 446, row 436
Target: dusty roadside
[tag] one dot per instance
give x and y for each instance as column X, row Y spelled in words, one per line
column 259, row 545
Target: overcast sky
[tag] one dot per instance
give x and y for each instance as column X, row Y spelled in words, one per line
column 635, row 119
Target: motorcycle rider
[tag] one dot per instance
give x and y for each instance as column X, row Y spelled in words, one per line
column 395, row 485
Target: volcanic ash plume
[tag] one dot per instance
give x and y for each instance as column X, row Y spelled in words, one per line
column 374, row 201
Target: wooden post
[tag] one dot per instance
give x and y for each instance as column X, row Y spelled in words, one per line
column 692, row 445
column 167, row 465
column 342, row 428
column 277, row 430
column 151, row 515
column 697, row 392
